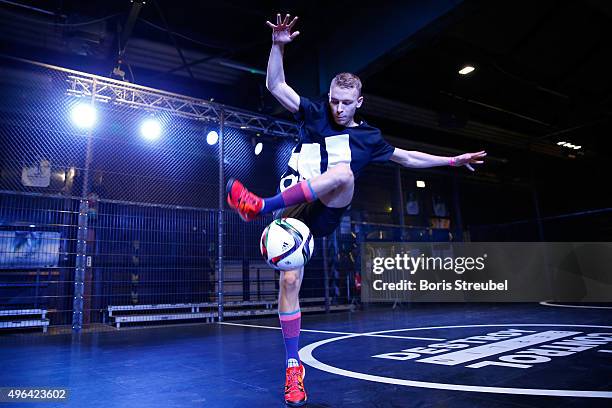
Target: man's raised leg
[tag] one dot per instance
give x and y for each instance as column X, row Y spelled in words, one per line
column 249, row 205
column 342, row 195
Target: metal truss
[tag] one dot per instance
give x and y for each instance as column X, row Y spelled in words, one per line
column 108, row 90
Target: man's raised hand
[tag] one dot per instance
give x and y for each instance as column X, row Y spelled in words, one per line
column 281, row 31
column 469, row 158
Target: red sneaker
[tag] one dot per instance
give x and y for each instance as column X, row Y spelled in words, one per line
column 295, row 395
column 247, row 204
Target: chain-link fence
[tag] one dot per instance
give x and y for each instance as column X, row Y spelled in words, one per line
column 108, row 226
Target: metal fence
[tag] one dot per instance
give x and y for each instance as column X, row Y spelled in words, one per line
column 104, row 227
column 38, row 252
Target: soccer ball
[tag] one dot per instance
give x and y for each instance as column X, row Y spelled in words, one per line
column 286, row 244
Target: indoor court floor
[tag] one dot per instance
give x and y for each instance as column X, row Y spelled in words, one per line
column 241, row 363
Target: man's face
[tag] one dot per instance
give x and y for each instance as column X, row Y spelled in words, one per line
column 343, row 104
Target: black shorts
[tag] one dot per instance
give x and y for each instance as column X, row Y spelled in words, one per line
column 321, row 220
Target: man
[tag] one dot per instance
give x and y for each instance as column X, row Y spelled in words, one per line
column 318, row 185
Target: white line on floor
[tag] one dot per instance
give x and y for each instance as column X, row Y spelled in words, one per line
column 575, row 306
column 335, row 332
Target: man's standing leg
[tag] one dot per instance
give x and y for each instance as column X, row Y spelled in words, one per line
column 290, row 320
column 289, row 304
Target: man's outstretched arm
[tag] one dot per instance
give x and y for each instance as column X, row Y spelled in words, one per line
column 275, row 77
column 415, row 159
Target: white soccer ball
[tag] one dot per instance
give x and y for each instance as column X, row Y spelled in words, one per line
column 286, row 244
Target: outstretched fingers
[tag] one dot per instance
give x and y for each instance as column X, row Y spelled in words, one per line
column 283, row 23
column 476, row 158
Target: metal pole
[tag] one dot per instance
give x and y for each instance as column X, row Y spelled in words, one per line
column 129, row 25
column 457, row 206
column 536, row 200
column 348, row 288
column 81, row 246
column 536, row 205
column 325, row 275
column 400, row 200
column 220, row 218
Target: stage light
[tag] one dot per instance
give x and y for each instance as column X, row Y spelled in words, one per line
column 150, row 129
column 258, row 148
column 83, row 116
column 420, row 184
column 212, row 137
column 569, row 145
column 466, row 70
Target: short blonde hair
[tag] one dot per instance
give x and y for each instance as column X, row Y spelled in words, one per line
column 347, row 80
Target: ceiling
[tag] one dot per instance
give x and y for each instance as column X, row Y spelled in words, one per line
column 542, row 68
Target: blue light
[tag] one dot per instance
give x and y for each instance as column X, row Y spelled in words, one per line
column 258, row 148
column 212, row 137
column 83, row 116
column 150, row 129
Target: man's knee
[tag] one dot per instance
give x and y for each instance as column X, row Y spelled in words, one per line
column 344, row 175
column 290, row 279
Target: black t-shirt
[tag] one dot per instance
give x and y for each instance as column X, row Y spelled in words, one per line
column 324, row 144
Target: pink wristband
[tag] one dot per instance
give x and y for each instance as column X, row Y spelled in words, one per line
column 452, row 162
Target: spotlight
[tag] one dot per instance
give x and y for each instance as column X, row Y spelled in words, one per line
column 150, row 129
column 569, row 145
column 420, row 184
column 466, row 70
column 258, row 148
column 212, row 137
column 83, row 116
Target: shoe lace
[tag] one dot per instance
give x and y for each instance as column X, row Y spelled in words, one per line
column 294, row 382
column 246, row 197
